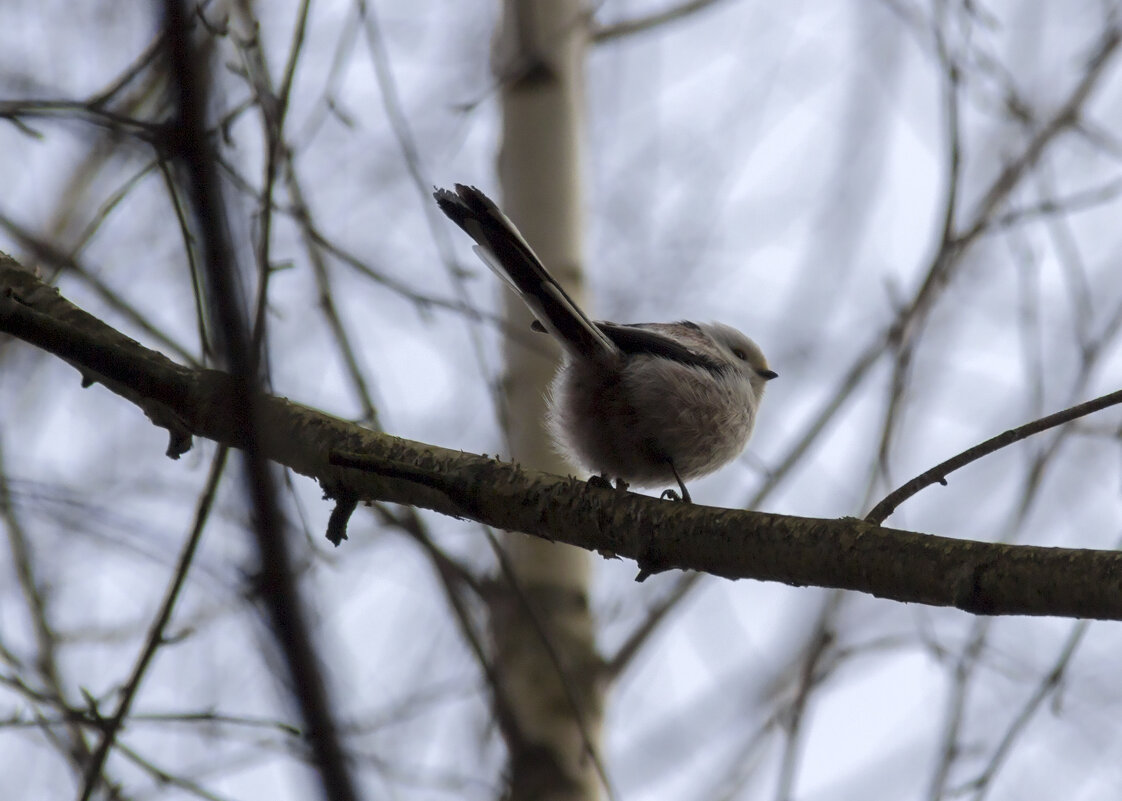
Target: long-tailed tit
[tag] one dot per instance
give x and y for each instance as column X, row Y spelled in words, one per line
column 647, row 403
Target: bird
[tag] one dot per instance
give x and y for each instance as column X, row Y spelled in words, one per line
column 644, row 403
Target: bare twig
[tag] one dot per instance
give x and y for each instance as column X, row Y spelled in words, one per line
column 274, row 109
column 1048, row 685
column 811, row 673
column 155, row 638
column 46, row 252
column 282, row 159
column 406, row 141
column 618, row 30
column 567, row 681
column 656, row 616
column 74, row 745
column 938, row 474
column 192, row 154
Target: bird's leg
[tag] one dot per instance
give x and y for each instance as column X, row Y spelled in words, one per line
column 671, row 494
column 648, row 559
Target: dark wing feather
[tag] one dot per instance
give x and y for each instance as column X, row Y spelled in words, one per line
column 634, row 340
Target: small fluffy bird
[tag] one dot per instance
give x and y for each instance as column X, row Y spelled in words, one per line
column 646, row 403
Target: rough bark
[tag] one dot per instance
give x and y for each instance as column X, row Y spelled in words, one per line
column 980, row 577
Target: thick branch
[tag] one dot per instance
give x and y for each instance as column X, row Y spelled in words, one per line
column 850, row 554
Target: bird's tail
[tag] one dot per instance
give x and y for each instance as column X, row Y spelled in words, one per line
column 502, row 248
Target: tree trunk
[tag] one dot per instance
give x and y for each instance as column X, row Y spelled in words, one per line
column 543, row 628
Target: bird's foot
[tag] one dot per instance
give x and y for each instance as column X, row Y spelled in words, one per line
column 672, row 495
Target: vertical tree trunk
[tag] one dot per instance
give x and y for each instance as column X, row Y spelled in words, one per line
column 553, row 690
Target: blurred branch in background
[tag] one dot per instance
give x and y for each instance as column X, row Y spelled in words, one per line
column 189, row 148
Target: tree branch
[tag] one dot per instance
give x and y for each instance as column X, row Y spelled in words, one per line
column 641, row 24
column 978, row 577
column 938, row 474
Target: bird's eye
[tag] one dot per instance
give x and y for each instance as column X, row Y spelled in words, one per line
column 738, row 353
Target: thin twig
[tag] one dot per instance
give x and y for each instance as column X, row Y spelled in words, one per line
column 407, row 143
column 652, row 623
column 1049, row 684
column 628, row 27
column 44, row 251
column 453, row 579
column 810, row 676
column 155, row 639
column 563, row 674
column 193, row 155
column 938, row 474
column 74, row 745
